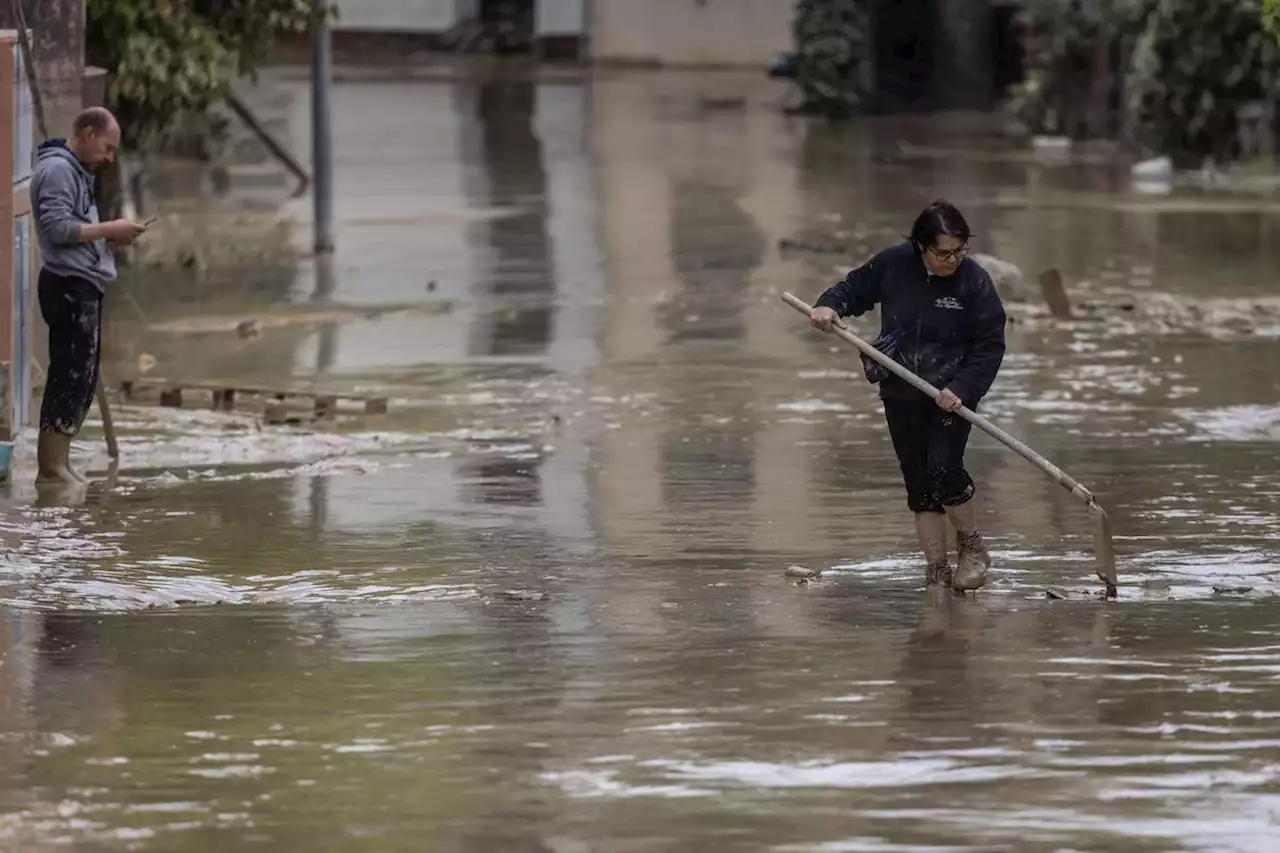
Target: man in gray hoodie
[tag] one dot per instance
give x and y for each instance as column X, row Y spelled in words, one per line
column 78, row 260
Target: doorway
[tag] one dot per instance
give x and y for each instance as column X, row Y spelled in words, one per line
column 914, row 65
column 1008, row 57
column 509, row 25
column 905, row 51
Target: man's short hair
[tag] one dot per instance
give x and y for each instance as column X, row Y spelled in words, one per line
column 97, row 119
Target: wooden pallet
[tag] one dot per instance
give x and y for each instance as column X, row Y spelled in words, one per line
column 222, row 396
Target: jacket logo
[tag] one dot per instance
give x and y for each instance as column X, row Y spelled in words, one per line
column 948, row 302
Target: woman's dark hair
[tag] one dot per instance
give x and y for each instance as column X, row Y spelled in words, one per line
column 938, row 220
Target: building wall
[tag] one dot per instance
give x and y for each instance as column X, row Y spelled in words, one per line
column 690, row 32
column 669, row 32
column 554, row 17
column 397, row 16
column 561, row 17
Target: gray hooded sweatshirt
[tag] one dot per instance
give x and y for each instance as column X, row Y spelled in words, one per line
column 63, row 203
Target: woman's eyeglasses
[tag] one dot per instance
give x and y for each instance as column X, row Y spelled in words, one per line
column 948, row 257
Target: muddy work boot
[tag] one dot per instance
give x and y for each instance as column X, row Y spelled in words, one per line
column 972, row 562
column 937, row 574
column 53, row 457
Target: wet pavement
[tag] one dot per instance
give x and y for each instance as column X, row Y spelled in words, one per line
column 540, row 605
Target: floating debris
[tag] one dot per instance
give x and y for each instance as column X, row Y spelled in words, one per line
column 1055, row 295
column 1058, row 594
column 801, row 574
column 522, row 595
column 323, row 404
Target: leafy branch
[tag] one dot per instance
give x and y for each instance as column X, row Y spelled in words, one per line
column 169, row 59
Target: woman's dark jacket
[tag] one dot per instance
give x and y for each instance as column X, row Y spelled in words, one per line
column 948, row 331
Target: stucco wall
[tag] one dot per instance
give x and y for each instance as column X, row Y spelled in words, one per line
column 690, row 32
column 561, row 17
column 397, row 16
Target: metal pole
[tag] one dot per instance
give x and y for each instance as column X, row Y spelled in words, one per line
column 321, row 126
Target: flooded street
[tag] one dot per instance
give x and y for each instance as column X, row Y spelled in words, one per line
column 539, row 606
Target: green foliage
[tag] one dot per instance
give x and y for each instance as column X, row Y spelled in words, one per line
column 1271, row 16
column 1062, row 41
column 1195, row 65
column 169, row 60
column 833, row 51
column 1176, row 72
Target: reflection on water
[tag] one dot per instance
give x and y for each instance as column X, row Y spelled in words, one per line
column 548, row 614
column 517, row 286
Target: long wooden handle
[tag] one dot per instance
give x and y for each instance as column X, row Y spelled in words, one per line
column 108, row 423
column 974, row 418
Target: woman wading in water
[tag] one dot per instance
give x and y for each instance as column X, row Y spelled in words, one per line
column 941, row 318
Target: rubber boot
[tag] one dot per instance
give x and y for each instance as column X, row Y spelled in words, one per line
column 972, row 562
column 76, row 473
column 58, row 493
column 53, row 456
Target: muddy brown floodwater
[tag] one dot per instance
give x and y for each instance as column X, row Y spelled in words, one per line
column 542, row 607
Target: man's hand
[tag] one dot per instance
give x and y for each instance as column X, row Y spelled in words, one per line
column 121, row 232
column 948, row 401
column 822, row 317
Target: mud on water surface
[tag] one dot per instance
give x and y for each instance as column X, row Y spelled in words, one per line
column 539, row 605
